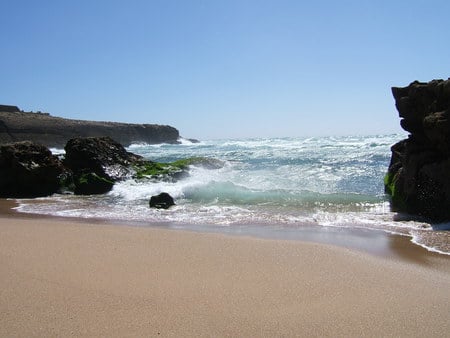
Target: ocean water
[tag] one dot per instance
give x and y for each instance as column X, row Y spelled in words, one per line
column 282, row 183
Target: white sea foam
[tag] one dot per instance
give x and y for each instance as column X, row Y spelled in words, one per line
column 432, row 242
column 188, row 142
column 57, row 151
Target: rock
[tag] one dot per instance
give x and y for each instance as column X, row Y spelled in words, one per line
column 98, row 162
column 30, row 170
column 97, row 154
column 92, row 184
column 161, row 201
column 193, row 140
column 54, row 131
column 437, row 127
column 91, row 166
column 418, row 177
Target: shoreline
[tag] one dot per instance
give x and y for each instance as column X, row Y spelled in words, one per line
column 61, row 278
column 374, row 242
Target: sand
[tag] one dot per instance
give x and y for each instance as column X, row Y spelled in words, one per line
column 66, row 278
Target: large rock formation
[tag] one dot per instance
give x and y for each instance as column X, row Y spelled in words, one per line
column 90, row 166
column 29, row 170
column 55, row 131
column 418, row 178
column 98, row 162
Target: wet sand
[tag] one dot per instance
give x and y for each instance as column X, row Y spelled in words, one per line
column 62, row 278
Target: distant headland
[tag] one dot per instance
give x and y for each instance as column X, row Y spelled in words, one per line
column 17, row 125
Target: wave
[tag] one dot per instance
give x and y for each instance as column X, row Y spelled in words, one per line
column 229, row 193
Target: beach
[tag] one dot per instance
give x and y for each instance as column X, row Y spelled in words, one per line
column 69, row 278
column 225, row 169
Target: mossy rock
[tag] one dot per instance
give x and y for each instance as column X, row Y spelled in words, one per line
column 155, row 170
column 92, row 184
column 391, row 187
column 175, row 169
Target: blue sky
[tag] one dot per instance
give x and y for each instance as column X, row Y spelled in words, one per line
column 223, row 69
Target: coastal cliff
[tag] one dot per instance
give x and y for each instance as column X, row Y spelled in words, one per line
column 16, row 125
column 418, row 178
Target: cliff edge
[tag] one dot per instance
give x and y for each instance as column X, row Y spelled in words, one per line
column 418, row 177
column 16, row 125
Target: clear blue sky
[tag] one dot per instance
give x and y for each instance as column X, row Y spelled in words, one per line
column 218, row 69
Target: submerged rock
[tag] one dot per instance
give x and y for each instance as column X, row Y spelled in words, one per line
column 161, row 201
column 29, row 170
column 418, row 177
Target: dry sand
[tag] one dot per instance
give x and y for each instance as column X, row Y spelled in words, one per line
column 78, row 279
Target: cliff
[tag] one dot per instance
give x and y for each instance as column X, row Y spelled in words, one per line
column 418, row 178
column 53, row 131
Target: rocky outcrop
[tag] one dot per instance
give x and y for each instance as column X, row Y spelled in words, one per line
column 29, row 170
column 97, row 163
column 90, row 166
column 55, row 131
column 418, row 177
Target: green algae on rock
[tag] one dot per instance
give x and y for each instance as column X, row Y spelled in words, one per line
column 173, row 170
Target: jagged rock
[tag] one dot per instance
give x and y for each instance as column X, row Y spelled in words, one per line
column 97, row 154
column 29, row 170
column 98, row 162
column 418, row 177
column 161, row 201
column 54, row 131
column 91, row 166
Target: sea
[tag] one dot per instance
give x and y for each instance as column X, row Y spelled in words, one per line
column 275, row 187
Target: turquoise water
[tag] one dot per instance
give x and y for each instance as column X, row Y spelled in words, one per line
column 287, row 182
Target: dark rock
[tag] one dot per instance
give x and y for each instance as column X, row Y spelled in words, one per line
column 161, row 201
column 90, row 166
column 92, row 184
column 97, row 154
column 54, row 131
column 30, row 170
column 437, row 129
column 418, row 177
column 98, row 162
